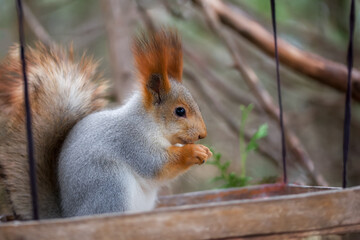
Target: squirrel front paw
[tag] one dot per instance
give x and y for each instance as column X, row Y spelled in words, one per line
column 181, row 158
column 200, row 153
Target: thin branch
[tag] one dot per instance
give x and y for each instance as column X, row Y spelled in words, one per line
column 218, row 107
column 173, row 11
column 217, row 84
column 145, row 17
column 36, row 27
column 222, row 86
column 91, row 29
column 119, row 19
column 260, row 93
column 323, row 70
column 87, row 27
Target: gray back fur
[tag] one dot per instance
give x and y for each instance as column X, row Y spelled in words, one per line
column 106, row 156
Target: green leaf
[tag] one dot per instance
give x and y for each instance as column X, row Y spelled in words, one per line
column 260, row 133
column 226, row 165
column 229, row 179
column 217, row 178
column 251, row 146
column 245, row 111
column 211, row 162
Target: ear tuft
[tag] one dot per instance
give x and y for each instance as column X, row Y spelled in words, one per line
column 158, row 56
column 154, row 85
column 175, row 59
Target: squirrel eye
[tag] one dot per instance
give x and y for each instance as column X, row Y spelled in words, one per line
column 180, row 111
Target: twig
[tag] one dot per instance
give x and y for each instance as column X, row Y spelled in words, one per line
column 221, row 111
column 145, row 17
column 177, row 14
column 323, row 70
column 260, row 93
column 119, row 19
column 44, row 37
column 89, row 26
column 217, row 84
column 36, row 27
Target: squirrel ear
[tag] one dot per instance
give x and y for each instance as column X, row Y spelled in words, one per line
column 174, row 53
column 154, row 86
column 157, row 56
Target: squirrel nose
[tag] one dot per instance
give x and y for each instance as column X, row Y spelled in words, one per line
column 202, row 135
column 202, row 130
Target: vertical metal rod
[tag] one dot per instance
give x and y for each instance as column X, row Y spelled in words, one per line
column 283, row 144
column 30, row 146
column 347, row 118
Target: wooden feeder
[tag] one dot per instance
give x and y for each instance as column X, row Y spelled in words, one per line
column 268, row 212
column 274, row 211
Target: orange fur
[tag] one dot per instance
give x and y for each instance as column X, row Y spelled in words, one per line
column 161, row 54
column 11, row 86
column 175, row 64
column 62, row 91
column 11, row 79
column 182, row 158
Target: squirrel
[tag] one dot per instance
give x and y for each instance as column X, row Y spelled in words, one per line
column 91, row 160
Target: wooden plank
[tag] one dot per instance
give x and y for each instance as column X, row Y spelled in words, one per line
column 354, row 230
column 235, row 218
column 252, row 192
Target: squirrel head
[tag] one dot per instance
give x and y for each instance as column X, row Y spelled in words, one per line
column 158, row 59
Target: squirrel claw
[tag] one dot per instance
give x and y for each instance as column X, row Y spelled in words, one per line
column 201, row 154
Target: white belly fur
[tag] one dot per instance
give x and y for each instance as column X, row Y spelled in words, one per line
column 143, row 194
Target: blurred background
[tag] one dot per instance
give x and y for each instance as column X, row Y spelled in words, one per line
column 225, row 61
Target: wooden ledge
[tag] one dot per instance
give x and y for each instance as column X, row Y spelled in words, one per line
column 252, row 192
column 329, row 210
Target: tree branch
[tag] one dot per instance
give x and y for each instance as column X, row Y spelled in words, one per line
column 145, row 17
column 323, row 70
column 86, row 31
column 36, row 27
column 260, row 93
column 221, row 111
column 119, row 18
column 217, row 84
column 231, row 93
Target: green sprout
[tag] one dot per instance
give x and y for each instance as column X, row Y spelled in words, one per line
column 232, row 179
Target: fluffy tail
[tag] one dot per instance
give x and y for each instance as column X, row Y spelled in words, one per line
column 62, row 92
